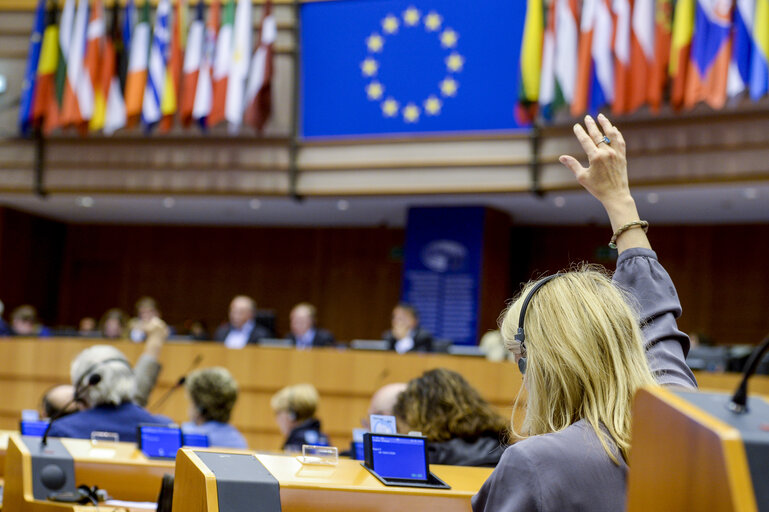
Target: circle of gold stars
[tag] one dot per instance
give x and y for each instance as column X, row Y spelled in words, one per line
column 446, row 88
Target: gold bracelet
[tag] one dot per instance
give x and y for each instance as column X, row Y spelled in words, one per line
column 636, row 223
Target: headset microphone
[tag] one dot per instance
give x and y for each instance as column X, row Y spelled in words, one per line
column 520, row 336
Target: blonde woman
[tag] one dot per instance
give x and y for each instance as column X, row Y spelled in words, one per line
column 586, row 343
column 294, row 408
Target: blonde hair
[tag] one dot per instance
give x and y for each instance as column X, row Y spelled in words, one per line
column 301, row 400
column 585, row 356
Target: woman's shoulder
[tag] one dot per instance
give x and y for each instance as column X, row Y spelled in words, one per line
column 574, row 442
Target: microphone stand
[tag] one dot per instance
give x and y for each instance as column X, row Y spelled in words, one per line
column 739, row 402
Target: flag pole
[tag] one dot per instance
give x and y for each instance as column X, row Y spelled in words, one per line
column 39, row 164
column 293, row 148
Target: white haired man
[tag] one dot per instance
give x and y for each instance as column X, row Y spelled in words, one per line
column 105, row 383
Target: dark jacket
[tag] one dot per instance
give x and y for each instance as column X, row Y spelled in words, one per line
column 257, row 333
column 482, row 451
column 323, row 338
column 423, row 340
column 307, row 432
column 122, row 419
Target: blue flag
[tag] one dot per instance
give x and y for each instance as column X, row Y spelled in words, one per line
column 372, row 67
column 28, row 85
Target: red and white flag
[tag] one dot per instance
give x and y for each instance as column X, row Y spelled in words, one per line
column 193, row 57
column 259, row 87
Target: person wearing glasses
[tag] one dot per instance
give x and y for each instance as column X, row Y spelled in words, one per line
column 586, row 342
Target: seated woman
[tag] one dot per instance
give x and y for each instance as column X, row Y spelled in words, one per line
column 212, row 393
column 294, row 408
column 578, row 339
column 463, row 429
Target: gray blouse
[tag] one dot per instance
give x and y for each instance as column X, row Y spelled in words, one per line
column 569, row 470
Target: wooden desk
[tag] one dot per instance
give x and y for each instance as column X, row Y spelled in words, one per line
column 347, row 487
column 118, row 468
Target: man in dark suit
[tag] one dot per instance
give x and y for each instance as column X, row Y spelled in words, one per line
column 304, row 333
column 405, row 334
column 242, row 329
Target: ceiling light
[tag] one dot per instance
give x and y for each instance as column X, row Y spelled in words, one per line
column 653, row 198
column 342, row 205
column 84, row 201
column 255, row 204
column 169, row 202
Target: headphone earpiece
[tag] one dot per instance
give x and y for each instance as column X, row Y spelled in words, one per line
column 95, row 378
column 520, row 335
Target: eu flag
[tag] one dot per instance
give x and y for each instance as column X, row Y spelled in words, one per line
column 378, row 67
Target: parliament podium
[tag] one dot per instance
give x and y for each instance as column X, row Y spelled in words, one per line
column 690, row 453
column 119, row 468
column 201, row 485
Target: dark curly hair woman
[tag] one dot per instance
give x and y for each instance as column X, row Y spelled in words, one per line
column 462, row 427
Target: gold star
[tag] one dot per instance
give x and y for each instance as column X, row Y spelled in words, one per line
column 455, row 62
column 390, row 107
column 369, row 67
column 433, row 21
column 433, row 105
column 374, row 43
column 390, row 24
column 449, row 87
column 374, row 90
column 411, row 113
column 411, row 16
column 449, row 38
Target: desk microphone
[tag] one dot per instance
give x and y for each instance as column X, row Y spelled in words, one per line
column 739, row 401
column 93, row 380
column 179, row 383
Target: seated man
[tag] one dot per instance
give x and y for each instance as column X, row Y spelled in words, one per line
column 24, row 322
column 212, row 393
column 242, row 329
column 304, row 333
column 146, row 373
column 294, row 408
column 105, row 383
column 383, row 402
column 406, row 335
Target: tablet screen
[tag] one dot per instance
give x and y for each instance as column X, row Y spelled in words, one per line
column 199, row 440
column 401, row 457
column 160, row 441
column 33, row 428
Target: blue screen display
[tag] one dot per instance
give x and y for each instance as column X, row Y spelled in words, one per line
column 399, row 457
column 33, row 428
column 200, row 440
column 358, row 452
column 160, row 441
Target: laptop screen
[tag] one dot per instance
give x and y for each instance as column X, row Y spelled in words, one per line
column 159, row 441
column 400, row 457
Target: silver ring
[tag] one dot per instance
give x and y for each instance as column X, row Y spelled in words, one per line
column 605, row 139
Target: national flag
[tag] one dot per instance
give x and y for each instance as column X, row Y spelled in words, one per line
column 136, row 80
column 53, row 112
column 171, row 87
column 45, row 86
column 156, row 67
column 566, row 42
column 680, row 46
column 93, row 61
column 112, row 116
column 658, row 77
column 759, row 61
column 710, row 53
column 78, row 92
column 123, row 47
column 193, row 57
column 531, row 60
column 547, row 76
column 26, row 109
column 602, row 80
column 241, row 53
column 584, row 58
column 203, row 89
column 742, row 42
column 259, row 87
column 222, row 61
column 622, row 77
column 641, row 53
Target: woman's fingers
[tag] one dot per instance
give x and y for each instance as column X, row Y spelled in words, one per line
column 585, row 141
column 592, row 129
column 573, row 165
column 617, row 141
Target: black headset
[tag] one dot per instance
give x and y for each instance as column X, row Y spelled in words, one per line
column 95, row 378
column 520, row 336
